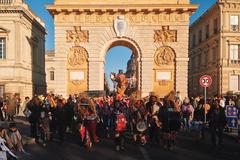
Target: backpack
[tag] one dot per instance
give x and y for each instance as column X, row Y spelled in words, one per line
column 121, row 122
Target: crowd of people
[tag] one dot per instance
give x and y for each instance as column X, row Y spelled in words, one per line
column 142, row 120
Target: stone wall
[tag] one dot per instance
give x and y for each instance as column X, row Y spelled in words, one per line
column 22, row 30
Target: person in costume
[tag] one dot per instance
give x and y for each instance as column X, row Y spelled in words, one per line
column 121, row 80
column 139, row 121
column 153, row 107
column 120, row 125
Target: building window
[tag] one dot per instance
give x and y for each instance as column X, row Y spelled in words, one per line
column 203, row 59
column 234, row 83
column 234, row 23
column 215, row 54
column 234, row 53
column 2, row 48
column 52, row 75
column 207, row 31
column 200, row 36
column 1, row 91
column 215, row 26
column 194, row 40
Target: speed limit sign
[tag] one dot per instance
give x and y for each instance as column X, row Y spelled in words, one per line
column 205, row 81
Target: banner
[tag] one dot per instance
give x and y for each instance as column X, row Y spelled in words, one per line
column 232, row 116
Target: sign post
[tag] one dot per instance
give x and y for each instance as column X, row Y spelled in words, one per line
column 205, row 81
column 205, row 104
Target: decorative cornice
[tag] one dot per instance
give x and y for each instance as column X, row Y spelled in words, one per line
column 133, row 8
column 26, row 14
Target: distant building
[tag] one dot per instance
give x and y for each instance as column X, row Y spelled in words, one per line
column 50, row 71
column 131, row 67
column 215, row 49
column 22, row 49
column 106, row 85
column 131, row 74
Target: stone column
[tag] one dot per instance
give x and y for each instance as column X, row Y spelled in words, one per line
column 146, row 76
column 96, row 74
column 61, row 77
column 182, row 76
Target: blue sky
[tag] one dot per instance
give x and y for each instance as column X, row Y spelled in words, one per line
column 116, row 54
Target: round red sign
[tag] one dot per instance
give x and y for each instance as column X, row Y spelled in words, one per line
column 205, row 81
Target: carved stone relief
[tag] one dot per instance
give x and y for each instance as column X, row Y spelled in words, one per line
column 120, row 26
column 164, row 56
column 77, row 56
column 165, row 35
column 77, row 36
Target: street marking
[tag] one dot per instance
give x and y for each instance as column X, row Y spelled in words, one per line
column 144, row 153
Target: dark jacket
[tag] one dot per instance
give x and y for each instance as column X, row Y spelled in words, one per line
column 35, row 112
column 217, row 117
column 60, row 115
column 199, row 114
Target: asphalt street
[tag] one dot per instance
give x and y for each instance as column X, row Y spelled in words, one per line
column 186, row 149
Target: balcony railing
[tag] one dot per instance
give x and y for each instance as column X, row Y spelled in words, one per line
column 235, row 61
column 5, row 2
column 234, row 28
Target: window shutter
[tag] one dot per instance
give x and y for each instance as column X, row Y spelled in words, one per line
column 4, row 50
column 230, row 52
column 238, row 52
column 239, row 82
column 237, row 23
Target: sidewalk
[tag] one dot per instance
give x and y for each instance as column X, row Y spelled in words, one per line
column 233, row 134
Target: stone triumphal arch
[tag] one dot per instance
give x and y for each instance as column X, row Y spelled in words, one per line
column 156, row 31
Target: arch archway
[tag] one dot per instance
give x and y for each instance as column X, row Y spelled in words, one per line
column 100, row 25
column 136, row 53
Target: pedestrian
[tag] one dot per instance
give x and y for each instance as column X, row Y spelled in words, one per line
column 6, row 146
column 170, row 121
column 1, row 108
column 61, row 120
column 217, row 122
column 69, row 114
column 15, row 137
column 44, row 126
column 198, row 122
column 18, row 104
column 34, row 106
column 24, row 105
column 11, row 107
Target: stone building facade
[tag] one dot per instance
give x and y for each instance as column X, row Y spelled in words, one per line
column 215, row 49
column 22, row 48
column 156, row 31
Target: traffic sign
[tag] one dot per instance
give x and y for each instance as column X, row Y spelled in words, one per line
column 205, row 81
column 232, row 122
column 231, row 111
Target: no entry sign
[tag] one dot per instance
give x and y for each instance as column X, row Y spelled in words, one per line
column 205, row 81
